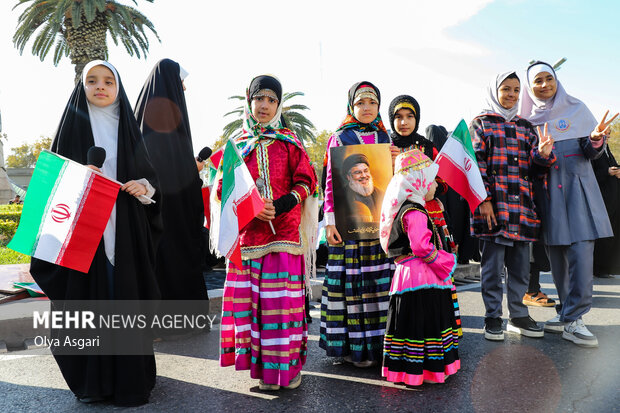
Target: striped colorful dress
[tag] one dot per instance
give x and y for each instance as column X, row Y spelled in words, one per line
column 263, row 318
column 356, row 288
column 263, row 308
column 422, row 333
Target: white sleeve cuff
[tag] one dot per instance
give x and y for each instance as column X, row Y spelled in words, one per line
column 330, row 218
column 150, row 191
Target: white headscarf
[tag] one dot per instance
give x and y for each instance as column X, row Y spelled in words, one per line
column 104, row 124
column 567, row 117
column 493, row 101
column 413, row 176
column 183, row 73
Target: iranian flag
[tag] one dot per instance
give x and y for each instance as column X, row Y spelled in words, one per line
column 459, row 168
column 66, row 209
column 241, row 202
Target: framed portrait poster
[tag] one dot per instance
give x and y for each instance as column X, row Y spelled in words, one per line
column 360, row 174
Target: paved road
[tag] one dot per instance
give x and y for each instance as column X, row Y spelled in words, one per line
column 519, row 375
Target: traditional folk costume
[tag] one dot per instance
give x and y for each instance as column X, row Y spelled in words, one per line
column 572, row 209
column 434, row 207
column 421, row 338
column 263, row 317
column 606, row 250
column 123, row 266
column 506, row 148
column 355, row 291
column 161, row 113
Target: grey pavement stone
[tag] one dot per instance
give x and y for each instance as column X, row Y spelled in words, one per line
column 517, row 375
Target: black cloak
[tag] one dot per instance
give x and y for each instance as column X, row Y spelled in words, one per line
column 606, row 256
column 161, row 113
column 456, row 207
column 125, row 380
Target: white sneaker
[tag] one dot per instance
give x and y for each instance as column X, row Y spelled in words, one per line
column 578, row 333
column 555, row 325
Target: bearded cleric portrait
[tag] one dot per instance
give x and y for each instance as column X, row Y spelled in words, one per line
column 361, row 175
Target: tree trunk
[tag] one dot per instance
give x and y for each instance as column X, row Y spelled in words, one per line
column 87, row 42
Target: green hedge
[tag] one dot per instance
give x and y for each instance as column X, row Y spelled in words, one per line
column 7, row 228
column 8, row 256
column 11, row 208
column 10, row 216
column 9, row 219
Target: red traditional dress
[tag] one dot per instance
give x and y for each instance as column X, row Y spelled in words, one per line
column 263, row 309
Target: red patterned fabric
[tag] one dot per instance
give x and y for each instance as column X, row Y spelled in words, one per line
column 508, row 157
column 435, row 212
column 206, row 193
column 285, row 169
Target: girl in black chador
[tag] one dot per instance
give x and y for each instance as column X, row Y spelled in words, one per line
column 99, row 114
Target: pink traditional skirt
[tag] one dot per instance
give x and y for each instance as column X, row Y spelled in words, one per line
column 263, row 318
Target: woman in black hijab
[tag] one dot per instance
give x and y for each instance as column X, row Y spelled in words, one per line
column 123, row 266
column 161, row 113
column 606, row 257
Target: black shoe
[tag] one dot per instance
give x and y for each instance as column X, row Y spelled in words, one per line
column 493, row 329
column 525, row 326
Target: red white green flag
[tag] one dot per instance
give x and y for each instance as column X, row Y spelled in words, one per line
column 66, row 209
column 459, row 168
column 241, row 203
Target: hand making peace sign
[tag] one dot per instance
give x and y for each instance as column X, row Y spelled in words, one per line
column 545, row 142
column 603, row 128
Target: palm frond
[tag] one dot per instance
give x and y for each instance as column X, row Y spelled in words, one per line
column 47, row 22
column 295, row 107
column 291, row 95
column 233, row 129
column 238, row 111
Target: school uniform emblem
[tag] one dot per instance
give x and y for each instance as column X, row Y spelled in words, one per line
column 562, row 125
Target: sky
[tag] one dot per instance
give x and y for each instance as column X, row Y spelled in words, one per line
column 444, row 53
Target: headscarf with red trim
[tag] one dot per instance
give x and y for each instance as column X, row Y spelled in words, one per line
column 276, row 128
column 350, row 121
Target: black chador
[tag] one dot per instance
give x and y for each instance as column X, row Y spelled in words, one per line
column 161, row 113
column 123, row 271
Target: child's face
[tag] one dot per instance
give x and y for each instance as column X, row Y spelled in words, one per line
column 264, row 108
column 366, row 110
column 404, row 121
column 544, row 86
column 431, row 192
column 508, row 93
column 100, row 86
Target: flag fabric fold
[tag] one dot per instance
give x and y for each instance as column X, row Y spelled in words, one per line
column 459, row 168
column 240, row 203
column 66, row 210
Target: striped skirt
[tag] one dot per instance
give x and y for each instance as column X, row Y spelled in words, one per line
column 263, row 318
column 355, row 300
column 421, row 338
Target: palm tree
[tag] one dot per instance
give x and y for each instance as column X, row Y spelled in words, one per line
column 78, row 28
column 295, row 120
